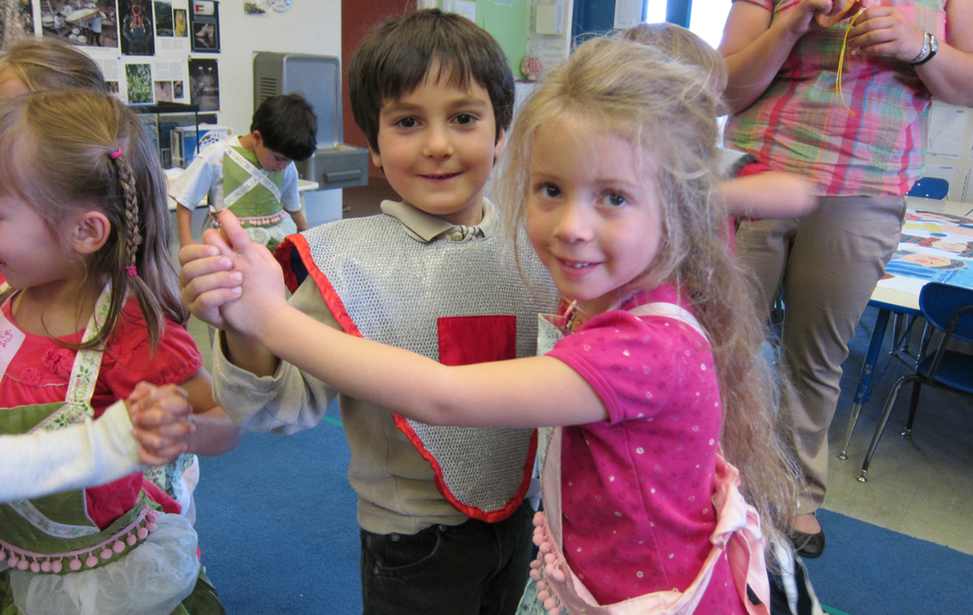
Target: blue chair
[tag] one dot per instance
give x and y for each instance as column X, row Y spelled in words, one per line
column 930, row 188
column 949, row 310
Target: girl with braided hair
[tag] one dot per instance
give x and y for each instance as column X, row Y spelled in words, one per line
column 91, row 310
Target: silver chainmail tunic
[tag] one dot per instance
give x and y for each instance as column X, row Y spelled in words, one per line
column 394, row 288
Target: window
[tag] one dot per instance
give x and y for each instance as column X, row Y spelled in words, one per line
column 706, row 22
column 709, row 24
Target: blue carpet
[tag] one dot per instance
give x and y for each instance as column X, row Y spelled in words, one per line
column 868, row 570
column 277, row 527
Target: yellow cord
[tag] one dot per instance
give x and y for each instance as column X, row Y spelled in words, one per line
column 841, row 57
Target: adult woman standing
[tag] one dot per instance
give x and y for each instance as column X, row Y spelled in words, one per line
column 862, row 145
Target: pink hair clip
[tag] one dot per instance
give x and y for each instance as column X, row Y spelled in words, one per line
column 115, row 155
column 132, row 271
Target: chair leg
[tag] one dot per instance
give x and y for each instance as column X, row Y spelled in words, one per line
column 913, row 407
column 896, row 325
column 886, row 412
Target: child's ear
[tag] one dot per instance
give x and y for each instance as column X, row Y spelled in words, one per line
column 89, row 232
column 501, row 142
column 376, row 157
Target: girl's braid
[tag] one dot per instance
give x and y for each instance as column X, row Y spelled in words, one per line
column 133, row 233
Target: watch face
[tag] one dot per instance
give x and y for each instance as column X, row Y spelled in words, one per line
column 281, row 6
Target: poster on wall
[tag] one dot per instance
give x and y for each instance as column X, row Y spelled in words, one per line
column 204, row 84
column 137, row 33
column 163, row 91
column 180, row 22
column 163, row 18
column 16, row 20
column 26, row 16
column 204, row 24
column 254, row 8
column 138, row 78
column 93, row 25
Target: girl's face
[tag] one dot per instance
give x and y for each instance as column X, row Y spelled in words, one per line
column 593, row 214
column 30, row 252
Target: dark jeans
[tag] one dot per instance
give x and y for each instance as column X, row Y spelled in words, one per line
column 468, row 569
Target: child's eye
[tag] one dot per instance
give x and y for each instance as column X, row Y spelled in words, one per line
column 615, row 199
column 465, row 118
column 549, row 190
column 407, row 122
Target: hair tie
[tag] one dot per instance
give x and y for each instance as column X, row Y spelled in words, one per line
column 115, row 155
column 132, row 271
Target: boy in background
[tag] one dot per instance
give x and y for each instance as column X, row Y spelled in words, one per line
column 253, row 175
column 444, row 525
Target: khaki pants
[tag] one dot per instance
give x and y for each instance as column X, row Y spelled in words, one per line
column 828, row 264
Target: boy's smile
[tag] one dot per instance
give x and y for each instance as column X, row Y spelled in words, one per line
column 437, row 145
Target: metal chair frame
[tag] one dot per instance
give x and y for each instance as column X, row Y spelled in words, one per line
column 918, row 378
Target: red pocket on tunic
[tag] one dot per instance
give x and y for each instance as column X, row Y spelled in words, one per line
column 464, row 340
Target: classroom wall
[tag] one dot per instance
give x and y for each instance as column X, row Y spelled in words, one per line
column 949, row 150
column 507, row 20
column 309, row 27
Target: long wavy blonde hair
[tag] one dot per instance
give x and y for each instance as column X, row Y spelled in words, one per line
column 667, row 110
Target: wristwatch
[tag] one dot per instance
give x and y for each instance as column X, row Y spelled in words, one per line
column 930, row 47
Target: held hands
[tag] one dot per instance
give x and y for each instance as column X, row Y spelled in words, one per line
column 162, row 420
column 229, row 281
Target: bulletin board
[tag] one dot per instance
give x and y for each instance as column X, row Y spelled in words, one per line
column 150, row 51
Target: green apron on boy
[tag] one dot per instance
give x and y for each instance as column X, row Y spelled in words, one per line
column 254, row 196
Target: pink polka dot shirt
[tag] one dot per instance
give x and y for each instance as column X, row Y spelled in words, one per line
column 637, row 487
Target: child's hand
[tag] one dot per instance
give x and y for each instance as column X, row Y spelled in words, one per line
column 207, row 281
column 162, row 420
column 262, row 294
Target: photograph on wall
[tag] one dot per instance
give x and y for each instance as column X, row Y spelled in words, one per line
column 204, row 26
column 135, row 27
column 180, row 23
column 26, row 15
column 112, row 87
column 204, row 84
column 163, row 91
column 92, row 24
column 16, row 20
column 177, row 90
column 139, row 80
column 254, row 8
column 163, row 18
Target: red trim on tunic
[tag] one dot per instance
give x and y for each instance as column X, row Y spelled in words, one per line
column 331, row 298
column 337, row 308
column 472, row 512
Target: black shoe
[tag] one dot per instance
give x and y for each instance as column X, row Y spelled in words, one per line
column 808, row 545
